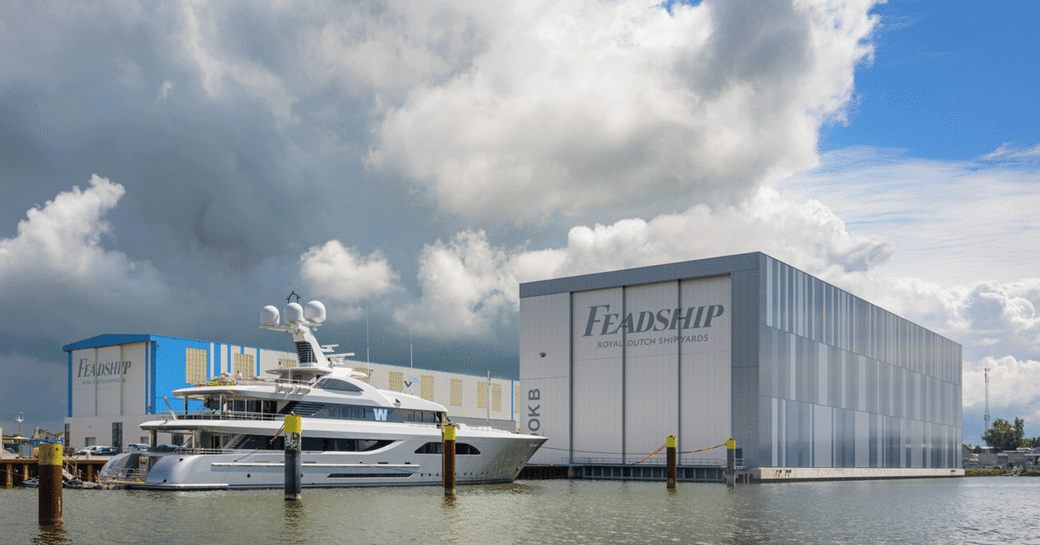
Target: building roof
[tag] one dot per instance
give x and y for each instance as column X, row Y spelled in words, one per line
column 108, row 339
column 113, row 339
column 696, row 268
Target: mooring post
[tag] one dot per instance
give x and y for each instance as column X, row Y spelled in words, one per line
column 671, row 455
column 448, row 459
column 293, row 456
column 49, row 470
column 731, row 462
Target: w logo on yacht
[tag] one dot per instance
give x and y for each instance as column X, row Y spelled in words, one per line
column 380, row 414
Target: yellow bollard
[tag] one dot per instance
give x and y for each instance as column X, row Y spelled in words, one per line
column 671, row 443
column 293, row 456
column 731, row 461
column 49, row 469
column 448, row 459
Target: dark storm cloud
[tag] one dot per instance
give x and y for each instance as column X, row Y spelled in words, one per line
column 220, row 198
column 231, row 138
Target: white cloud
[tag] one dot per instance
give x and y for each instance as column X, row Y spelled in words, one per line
column 57, row 259
column 952, row 222
column 472, row 285
column 345, row 277
column 590, row 106
column 468, row 286
column 509, row 111
column 1013, row 382
column 1007, row 152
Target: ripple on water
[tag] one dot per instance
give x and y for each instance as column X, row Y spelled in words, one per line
column 982, row 510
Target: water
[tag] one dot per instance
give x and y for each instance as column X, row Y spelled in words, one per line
column 979, row 510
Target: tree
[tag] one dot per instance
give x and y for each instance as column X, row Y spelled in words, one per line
column 1020, row 432
column 1001, row 436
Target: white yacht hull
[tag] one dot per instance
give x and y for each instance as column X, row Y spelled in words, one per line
column 502, row 456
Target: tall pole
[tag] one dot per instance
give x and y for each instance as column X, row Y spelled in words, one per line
column 448, row 459
column 293, row 456
column 671, row 443
column 368, row 354
column 985, row 416
column 731, row 462
column 487, row 398
column 49, row 468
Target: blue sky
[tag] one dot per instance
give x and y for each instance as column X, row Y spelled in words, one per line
column 949, row 80
column 171, row 167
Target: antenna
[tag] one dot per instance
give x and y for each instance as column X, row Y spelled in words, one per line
column 986, row 415
column 411, row 362
column 20, row 419
column 368, row 354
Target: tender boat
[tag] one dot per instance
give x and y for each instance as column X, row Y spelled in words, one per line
column 353, row 433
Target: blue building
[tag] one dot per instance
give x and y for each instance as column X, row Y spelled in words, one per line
column 118, row 381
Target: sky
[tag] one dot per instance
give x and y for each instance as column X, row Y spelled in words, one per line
column 172, row 167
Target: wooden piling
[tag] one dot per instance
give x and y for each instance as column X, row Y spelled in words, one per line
column 49, row 470
column 448, row 459
column 293, row 456
column 8, row 475
column 671, row 456
column 731, row 462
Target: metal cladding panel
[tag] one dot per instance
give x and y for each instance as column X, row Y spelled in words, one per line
column 844, row 383
column 597, row 372
column 108, row 380
column 651, row 369
column 746, row 315
column 705, row 353
column 545, row 400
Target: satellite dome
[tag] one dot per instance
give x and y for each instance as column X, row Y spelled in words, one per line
column 269, row 315
column 314, row 312
column 293, row 312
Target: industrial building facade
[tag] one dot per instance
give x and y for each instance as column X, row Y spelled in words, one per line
column 811, row 381
column 118, row 381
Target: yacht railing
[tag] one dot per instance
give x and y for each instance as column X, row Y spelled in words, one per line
column 228, row 415
column 188, row 450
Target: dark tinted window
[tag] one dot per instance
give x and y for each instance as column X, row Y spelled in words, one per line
column 261, row 442
column 461, row 449
column 337, row 385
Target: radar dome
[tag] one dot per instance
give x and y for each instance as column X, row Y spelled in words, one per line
column 315, row 312
column 293, row 312
column 269, row 315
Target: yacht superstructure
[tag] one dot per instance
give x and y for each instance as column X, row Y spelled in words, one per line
column 353, row 433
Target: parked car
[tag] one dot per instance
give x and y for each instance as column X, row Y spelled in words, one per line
column 137, row 447
column 98, row 450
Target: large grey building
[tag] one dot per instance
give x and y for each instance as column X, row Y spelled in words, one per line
column 811, row 381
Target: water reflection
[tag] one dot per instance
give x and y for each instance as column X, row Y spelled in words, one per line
column 580, row 511
column 52, row 535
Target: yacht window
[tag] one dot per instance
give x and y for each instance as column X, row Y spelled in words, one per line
column 337, row 385
column 461, row 449
column 263, row 442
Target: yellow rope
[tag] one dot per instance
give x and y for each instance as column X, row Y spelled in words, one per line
column 713, row 447
column 660, row 448
column 652, row 454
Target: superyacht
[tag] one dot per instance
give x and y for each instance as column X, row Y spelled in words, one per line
column 353, row 433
